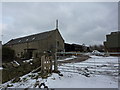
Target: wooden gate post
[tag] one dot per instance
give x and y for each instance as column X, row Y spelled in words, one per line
column 50, row 64
column 42, row 63
column 55, row 63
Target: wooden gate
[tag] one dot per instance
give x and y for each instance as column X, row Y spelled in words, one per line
column 46, row 65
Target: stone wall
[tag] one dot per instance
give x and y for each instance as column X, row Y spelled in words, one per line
column 11, row 70
column 19, row 68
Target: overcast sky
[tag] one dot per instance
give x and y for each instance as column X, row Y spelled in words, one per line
column 83, row 22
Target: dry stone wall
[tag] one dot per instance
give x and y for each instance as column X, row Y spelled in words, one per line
column 12, row 70
column 19, row 68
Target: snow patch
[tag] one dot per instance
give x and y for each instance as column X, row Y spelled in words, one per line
column 1, row 68
column 16, row 62
column 28, row 60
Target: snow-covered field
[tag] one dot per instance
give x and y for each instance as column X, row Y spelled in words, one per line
column 96, row 72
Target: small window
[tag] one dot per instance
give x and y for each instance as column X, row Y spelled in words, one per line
column 33, row 38
column 21, row 53
column 18, row 54
column 19, row 40
column 26, row 39
column 36, row 55
column 57, row 43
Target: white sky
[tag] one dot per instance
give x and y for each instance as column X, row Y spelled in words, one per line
column 79, row 22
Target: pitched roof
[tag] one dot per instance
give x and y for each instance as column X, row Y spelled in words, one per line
column 30, row 38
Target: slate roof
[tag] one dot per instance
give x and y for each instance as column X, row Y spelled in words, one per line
column 30, row 38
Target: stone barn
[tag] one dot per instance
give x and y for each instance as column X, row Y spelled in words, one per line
column 30, row 46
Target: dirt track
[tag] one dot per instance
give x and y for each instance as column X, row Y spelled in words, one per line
column 78, row 59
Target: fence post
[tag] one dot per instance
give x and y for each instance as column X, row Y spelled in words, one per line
column 42, row 63
column 55, row 63
column 50, row 64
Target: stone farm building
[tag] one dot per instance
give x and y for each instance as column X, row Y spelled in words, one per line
column 32, row 45
column 112, row 43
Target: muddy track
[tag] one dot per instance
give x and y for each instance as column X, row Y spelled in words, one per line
column 78, row 59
